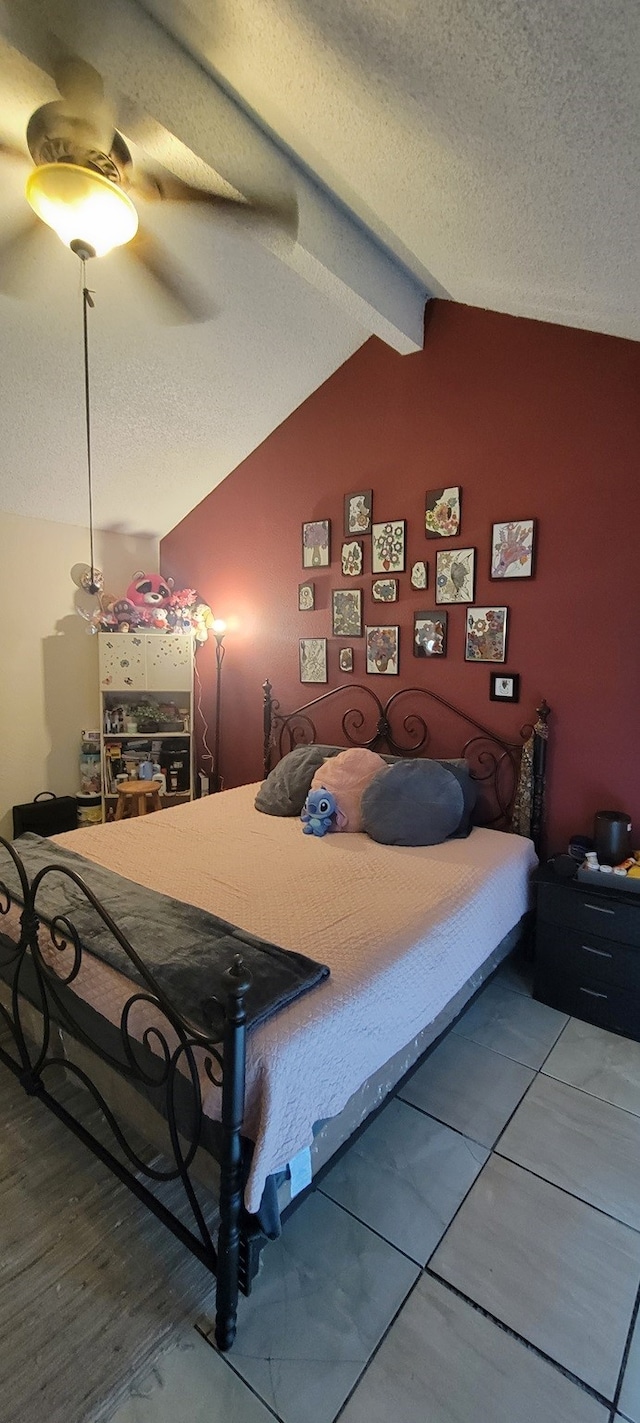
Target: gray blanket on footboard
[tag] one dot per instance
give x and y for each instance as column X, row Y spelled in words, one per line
column 186, row 949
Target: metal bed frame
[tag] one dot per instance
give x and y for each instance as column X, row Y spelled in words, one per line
column 165, row 1064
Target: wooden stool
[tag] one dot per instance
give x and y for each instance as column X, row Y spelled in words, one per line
column 137, row 798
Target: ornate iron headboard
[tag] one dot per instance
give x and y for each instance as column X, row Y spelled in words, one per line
column 510, row 774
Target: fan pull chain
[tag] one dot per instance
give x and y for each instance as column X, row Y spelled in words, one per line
column 87, row 301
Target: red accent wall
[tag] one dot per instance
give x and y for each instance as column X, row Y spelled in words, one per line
column 532, row 420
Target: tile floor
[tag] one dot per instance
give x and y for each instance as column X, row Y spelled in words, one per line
column 474, row 1257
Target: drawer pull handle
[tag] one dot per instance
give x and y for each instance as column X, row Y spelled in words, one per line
column 592, row 993
column 599, row 909
column 602, row 953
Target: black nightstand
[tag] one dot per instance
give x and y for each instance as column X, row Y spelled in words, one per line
column 587, row 956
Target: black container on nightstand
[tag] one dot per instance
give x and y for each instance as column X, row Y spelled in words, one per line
column 587, row 955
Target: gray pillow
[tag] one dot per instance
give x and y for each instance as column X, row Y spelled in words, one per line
column 287, row 786
column 413, row 803
column 462, row 772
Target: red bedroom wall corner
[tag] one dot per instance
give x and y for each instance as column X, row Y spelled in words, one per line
column 533, row 421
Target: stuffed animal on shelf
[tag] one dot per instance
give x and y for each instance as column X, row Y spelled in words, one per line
column 320, row 813
column 149, row 590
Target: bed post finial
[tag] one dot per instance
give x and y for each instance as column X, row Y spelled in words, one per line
column 237, row 982
column 540, row 738
column 267, row 723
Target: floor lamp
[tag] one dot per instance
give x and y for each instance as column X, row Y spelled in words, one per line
column 219, row 629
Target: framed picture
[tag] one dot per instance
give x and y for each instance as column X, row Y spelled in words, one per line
column 306, row 597
column 313, row 659
column 505, row 687
column 387, row 548
column 420, row 575
column 512, row 549
column 455, row 575
column 346, row 612
column 315, row 544
column 352, row 559
column 442, row 514
column 382, row 650
column 357, row 512
column 486, row 639
column 346, row 659
column 385, row 590
column 430, row 633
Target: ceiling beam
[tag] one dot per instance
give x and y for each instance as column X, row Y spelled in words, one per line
column 157, row 78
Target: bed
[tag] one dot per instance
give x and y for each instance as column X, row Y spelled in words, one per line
column 408, row 935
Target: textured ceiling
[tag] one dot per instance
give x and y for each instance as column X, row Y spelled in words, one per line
column 494, row 144
column 174, row 408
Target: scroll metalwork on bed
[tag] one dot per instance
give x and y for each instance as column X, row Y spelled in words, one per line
column 416, row 721
column 168, row 1059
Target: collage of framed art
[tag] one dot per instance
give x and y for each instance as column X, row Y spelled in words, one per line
column 512, row 550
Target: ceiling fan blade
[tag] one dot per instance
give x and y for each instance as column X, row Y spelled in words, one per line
column 82, row 92
column 183, row 301
column 15, row 250
column 165, row 187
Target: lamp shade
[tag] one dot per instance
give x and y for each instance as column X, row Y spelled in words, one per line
column 81, row 205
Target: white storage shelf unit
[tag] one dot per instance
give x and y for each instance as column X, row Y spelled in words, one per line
column 155, row 669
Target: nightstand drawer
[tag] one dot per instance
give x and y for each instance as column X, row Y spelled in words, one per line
column 590, row 913
column 576, row 954
column 607, row 1006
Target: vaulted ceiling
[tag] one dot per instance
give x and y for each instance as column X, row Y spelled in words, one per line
column 486, row 150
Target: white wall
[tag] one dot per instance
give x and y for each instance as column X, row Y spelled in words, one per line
column 48, row 661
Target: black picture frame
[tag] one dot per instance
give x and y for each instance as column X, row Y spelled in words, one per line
column 498, row 693
column 516, row 526
column 437, row 645
column 355, row 525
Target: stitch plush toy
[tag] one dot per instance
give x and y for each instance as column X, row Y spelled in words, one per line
column 320, row 813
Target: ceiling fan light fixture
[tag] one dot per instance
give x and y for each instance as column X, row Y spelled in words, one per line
column 82, row 206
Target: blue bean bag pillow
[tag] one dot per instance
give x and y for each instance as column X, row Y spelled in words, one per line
column 413, row 803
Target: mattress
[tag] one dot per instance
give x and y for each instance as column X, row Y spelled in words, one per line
column 402, row 929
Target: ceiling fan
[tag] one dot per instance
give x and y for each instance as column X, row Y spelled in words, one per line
column 84, row 184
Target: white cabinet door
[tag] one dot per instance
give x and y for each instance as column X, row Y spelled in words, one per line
column 169, row 662
column 122, row 662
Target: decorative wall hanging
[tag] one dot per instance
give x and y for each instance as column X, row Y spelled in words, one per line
column 505, row 687
column 442, row 515
column 346, row 612
column 430, row 633
column 346, row 659
column 315, row 544
column 385, row 590
column 357, row 512
column 306, row 597
column 387, row 548
column 351, row 560
column 512, row 549
column 419, row 575
column 313, row 659
column 486, row 639
column 383, row 650
column 455, row 569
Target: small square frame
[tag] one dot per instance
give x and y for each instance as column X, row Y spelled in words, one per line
column 345, row 659
column 499, row 681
